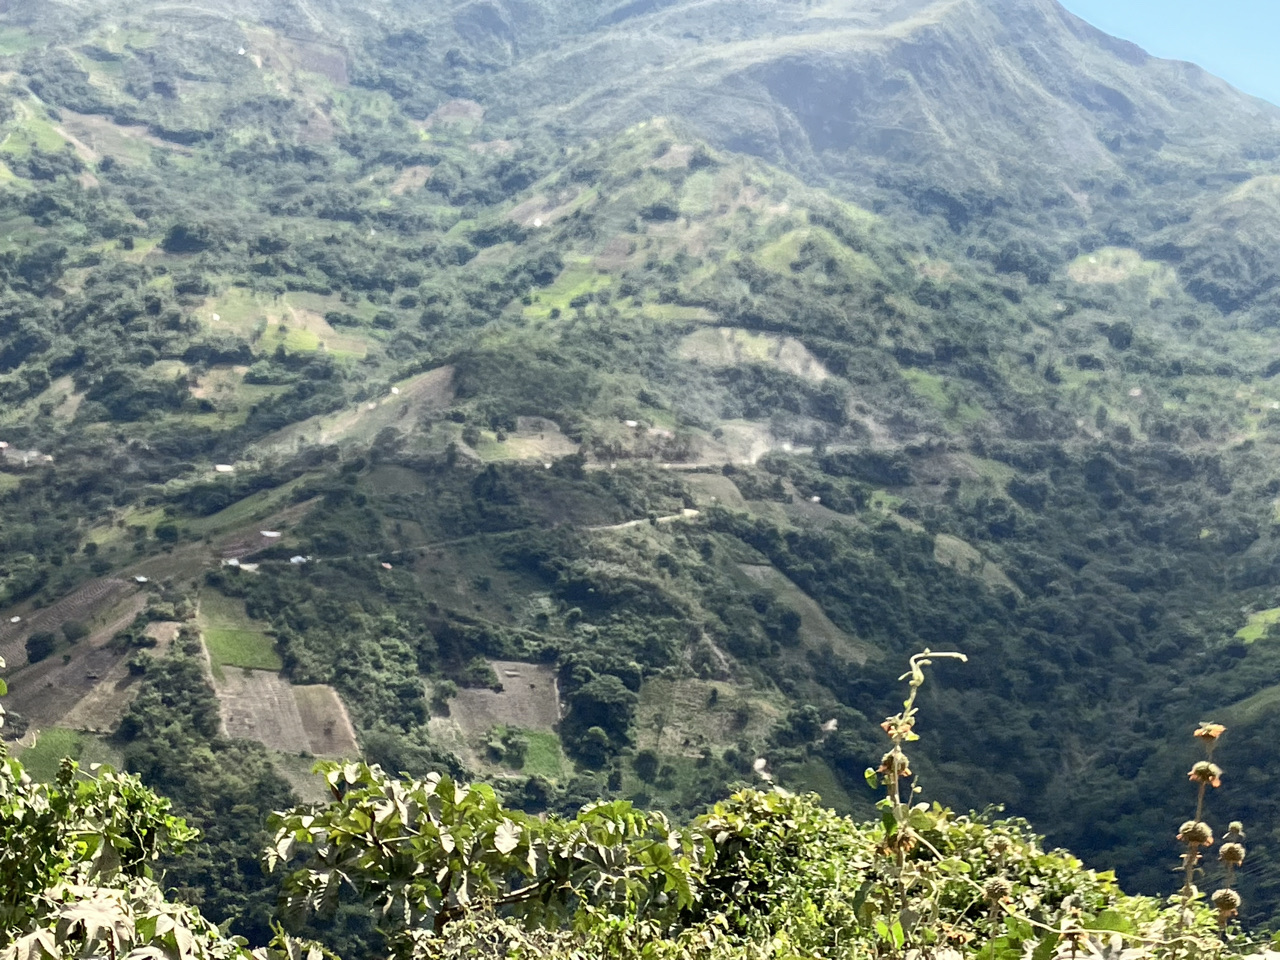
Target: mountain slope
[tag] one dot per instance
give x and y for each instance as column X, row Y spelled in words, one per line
column 659, row 377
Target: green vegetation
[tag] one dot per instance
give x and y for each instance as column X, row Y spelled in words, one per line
column 41, row 760
column 449, row 870
column 232, row 638
column 478, row 340
column 1259, row 625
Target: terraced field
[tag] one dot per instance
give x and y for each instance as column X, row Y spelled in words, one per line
column 263, row 706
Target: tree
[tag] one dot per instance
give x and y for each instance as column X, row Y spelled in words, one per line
column 645, row 764
column 604, row 702
column 40, row 645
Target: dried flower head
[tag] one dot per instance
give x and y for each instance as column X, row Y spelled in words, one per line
column 1235, row 832
column 996, row 889
column 1196, row 832
column 999, row 844
column 1209, row 732
column 898, row 728
column 1206, row 772
column 894, row 763
column 1232, row 853
column 1227, row 902
column 956, row 934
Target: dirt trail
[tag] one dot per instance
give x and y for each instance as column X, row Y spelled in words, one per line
column 685, row 514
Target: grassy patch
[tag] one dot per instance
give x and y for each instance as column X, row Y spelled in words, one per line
column 42, row 760
column 15, row 40
column 965, row 559
column 123, row 529
column 255, row 506
column 934, row 390
column 241, row 648
column 698, row 198
column 232, row 638
column 576, row 281
column 1258, row 625
column 678, row 717
column 674, row 313
column 544, row 758
column 1252, row 709
column 814, row 244
column 33, row 131
column 1118, row 264
column 816, row 628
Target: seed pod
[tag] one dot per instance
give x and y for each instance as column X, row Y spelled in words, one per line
column 1227, row 902
column 1195, row 832
column 1232, row 853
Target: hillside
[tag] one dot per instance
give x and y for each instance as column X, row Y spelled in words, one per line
column 598, row 402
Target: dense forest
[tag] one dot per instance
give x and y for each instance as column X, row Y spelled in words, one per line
column 384, row 386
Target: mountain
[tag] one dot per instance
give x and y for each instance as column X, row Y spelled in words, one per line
column 599, row 400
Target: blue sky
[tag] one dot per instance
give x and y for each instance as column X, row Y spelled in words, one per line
column 1236, row 39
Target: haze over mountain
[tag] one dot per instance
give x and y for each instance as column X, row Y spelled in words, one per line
column 597, row 398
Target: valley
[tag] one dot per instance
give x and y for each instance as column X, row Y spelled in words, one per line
column 419, row 391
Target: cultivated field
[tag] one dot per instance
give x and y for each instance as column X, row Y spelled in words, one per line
column 103, row 707
column 417, row 395
column 530, row 699
column 232, row 638
column 82, row 605
column 529, row 702
column 264, row 706
column 46, row 692
column 691, row 717
column 324, row 718
column 729, row 346
column 534, row 438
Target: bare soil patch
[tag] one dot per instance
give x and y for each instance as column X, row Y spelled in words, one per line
column 541, row 209
column 500, row 148
column 455, row 112
column 102, row 709
column 100, row 136
column 618, row 253
column 325, row 721
column 411, row 178
column 731, row 346
column 288, row 55
column 259, row 705
column 529, row 699
column 678, row 156
column 264, row 706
